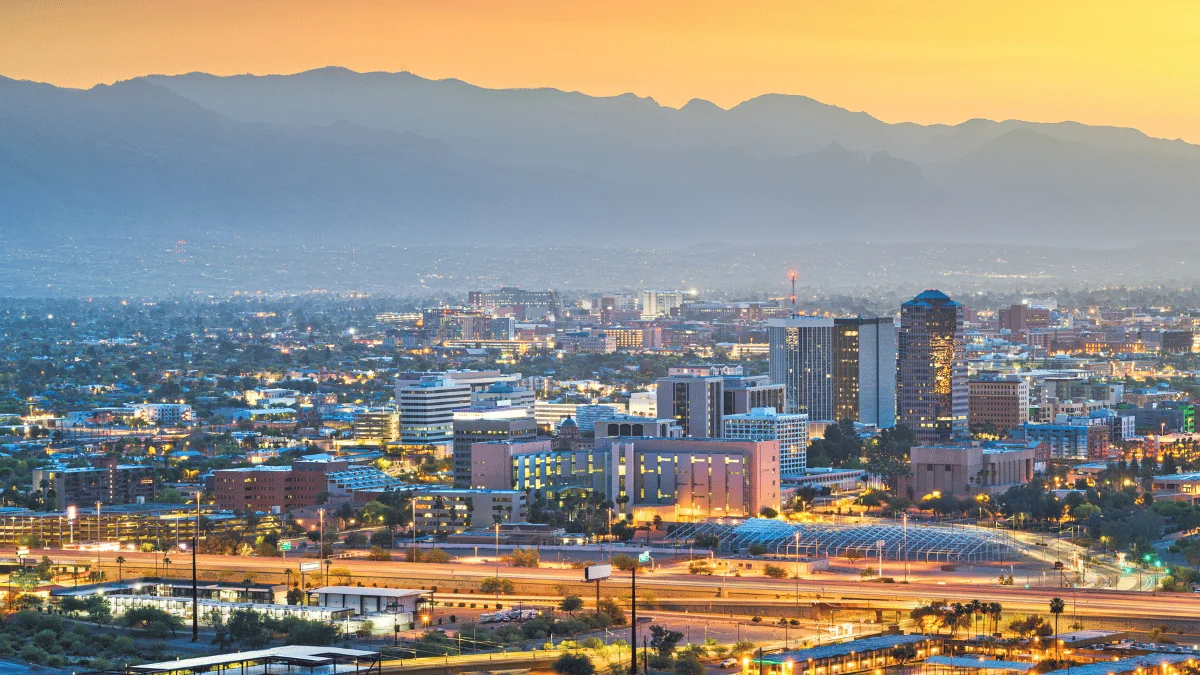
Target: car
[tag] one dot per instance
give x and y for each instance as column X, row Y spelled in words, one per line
column 728, row 663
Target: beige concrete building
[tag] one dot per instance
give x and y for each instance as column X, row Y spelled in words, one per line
column 969, row 468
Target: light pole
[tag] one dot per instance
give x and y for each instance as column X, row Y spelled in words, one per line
column 321, row 527
column 195, row 592
column 498, row 561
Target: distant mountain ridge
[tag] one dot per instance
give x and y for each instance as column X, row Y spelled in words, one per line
column 392, row 157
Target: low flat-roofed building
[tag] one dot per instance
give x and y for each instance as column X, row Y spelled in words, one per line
column 869, row 654
column 364, row 600
column 968, row 468
column 1180, row 487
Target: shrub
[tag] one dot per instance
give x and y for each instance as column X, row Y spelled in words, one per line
column 775, row 572
column 573, row 664
column 523, row 557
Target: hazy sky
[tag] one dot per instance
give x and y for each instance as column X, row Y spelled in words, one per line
column 1100, row 62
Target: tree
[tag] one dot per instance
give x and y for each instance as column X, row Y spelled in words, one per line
column 610, row 609
column 689, row 664
column 494, row 585
column 573, row 664
column 295, row 596
column 768, row 512
column 1057, row 607
column 247, row 628
column 664, row 641
column 994, row 609
column 154, row 621
column 571, row 604
column 775, row 572
column 523, row 557
column 378, row 553
column 120, row 568
column 623, row 562
column 902, row 654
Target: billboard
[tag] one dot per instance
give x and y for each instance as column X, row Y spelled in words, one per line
column 597, row 572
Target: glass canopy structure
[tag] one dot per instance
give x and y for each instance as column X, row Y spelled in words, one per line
column 931, row 543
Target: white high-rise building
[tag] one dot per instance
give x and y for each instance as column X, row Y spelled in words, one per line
column 766, row 424
column 427, row 408
column 802, row 360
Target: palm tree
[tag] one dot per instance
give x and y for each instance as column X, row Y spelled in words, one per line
column 975, row 607
column 1057, row 606
column 994, row 610
column 120, row 565
column 166, row 567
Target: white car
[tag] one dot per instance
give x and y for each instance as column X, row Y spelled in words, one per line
column 729, row 663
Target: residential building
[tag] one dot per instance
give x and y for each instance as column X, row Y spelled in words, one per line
column 427, row 408
column 931, row 388
column 380, row 425
column 105, row 482
column 802, row 360
column 586, row 342
column 1080, row 441
column 864, row 371
column 695, row 402
column 767, row 424
column 999, row 401
column 163, row 414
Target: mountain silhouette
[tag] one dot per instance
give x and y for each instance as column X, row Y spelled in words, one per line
column 336, row 155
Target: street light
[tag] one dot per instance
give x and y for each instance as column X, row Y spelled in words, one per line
column 195, row 592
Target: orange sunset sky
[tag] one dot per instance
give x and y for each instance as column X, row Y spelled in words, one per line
column 1120, row 63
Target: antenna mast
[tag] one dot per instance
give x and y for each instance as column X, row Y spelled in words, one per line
column 792, row 276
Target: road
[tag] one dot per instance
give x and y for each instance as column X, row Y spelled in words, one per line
column 1087, row 602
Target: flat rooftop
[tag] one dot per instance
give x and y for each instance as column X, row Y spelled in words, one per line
column 867, row 644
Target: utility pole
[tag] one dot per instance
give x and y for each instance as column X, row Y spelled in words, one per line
column 195, row 593
column 633, row 618
column 321, row 526
column 906, row 548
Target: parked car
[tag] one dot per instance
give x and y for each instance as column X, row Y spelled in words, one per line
column 729, row 663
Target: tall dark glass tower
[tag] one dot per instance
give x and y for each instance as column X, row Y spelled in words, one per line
column 932, row 384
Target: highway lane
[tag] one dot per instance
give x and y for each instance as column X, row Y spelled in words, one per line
column 1083, row 601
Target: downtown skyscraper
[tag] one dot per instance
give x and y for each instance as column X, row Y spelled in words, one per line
column 932, row 384
column 864, row 370
column 801, row 351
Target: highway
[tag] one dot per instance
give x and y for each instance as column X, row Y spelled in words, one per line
column 670, row 587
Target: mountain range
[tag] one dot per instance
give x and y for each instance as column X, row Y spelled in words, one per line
column 335, row 155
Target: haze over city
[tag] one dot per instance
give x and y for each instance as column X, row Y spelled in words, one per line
column 438, row 338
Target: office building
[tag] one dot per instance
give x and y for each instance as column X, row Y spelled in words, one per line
column 679, row 479
column 521, row 304
column 443, row 510
column 999, row 401
column 478, row 425
column 656, row 304
column 643, row 403
column 743, row 393
column 105, row 482
column 695, row 402
column 477, row 380
column 931, row 388
column 1022, row 317
column 864, row 371
column 379, row 425
column 635, row 426
column 766, row 424
column 802, row 361
column 281, row 488
column 1178, row 487
column 503, row 394
column 427, row 408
